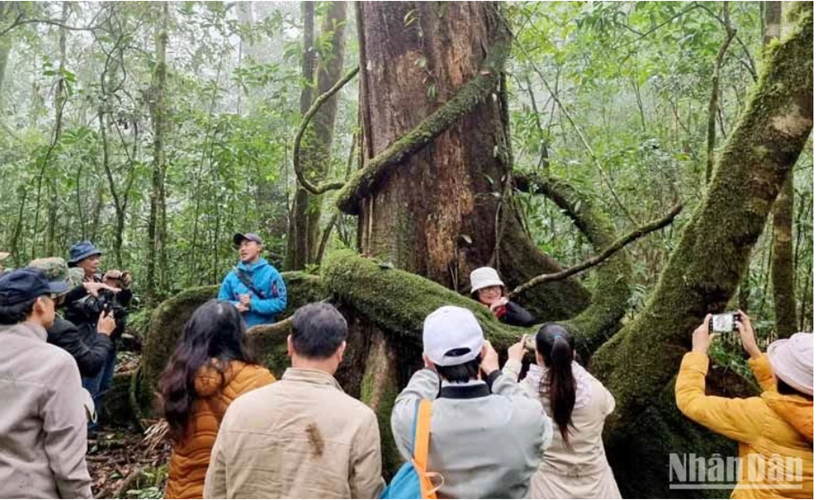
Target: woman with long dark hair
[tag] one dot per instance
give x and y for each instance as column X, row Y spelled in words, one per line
column 575, row 465
column 209, row 369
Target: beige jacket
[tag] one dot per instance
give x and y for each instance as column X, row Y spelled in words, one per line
column 581, row 471
column 300, row 437
column 43, row 436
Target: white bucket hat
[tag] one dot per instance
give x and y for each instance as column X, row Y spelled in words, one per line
column 484, row 277
column 792, row 361
column 448, row 329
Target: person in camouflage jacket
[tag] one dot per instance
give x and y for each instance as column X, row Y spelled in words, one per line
column 90, row 345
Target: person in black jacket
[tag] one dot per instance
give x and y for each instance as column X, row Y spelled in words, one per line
column 489, row 290
column 89, row 345
column 85, row 303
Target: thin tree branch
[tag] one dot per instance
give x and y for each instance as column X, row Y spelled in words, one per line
column 579, row 132
column 598, row 259
column 296, row 150
column 715, row 91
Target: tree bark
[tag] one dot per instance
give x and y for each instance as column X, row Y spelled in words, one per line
column 316, row 150
column 435, row 215
column 297, row 239
column 156, row 218
column 783, row 287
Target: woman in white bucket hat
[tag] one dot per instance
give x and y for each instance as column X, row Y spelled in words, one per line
column 489, row 290
column 775, row 431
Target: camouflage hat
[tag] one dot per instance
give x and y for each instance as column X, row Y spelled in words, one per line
column 55, row 269
column 75, row 276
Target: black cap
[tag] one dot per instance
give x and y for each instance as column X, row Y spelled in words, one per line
column 25, row 284
column 239, row 237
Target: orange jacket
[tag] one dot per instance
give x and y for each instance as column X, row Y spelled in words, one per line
column 216, row 390
column 767, row 428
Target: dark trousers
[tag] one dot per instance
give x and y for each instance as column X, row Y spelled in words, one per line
column 99, row 385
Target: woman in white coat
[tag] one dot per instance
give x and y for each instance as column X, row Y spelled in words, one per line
column 575, row 465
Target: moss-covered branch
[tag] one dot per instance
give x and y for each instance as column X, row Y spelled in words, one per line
column 398, row 301
column 713, row 254
column 614, row 276
column 363, row 182
column 604, row 253
column 296, row 149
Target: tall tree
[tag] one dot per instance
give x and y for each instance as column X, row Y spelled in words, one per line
column 783, row 290
column 445, row 211
column 316, row 148
column 158, row 114
column 297, row 240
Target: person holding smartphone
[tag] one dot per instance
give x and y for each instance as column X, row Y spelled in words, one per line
column 775, row 431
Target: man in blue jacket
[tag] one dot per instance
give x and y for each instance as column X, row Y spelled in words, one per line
column 254, row 286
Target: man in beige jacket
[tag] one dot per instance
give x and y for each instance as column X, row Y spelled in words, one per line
column 43, row 422
column 301, row 437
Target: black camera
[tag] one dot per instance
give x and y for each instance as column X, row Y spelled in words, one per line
column 89, row 308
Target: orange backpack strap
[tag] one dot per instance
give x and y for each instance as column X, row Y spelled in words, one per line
column 422, row 433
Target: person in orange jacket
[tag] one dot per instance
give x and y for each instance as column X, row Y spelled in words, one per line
column 210, row 368
column 775, row 431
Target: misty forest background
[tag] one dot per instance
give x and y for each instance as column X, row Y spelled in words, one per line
column 158, row 130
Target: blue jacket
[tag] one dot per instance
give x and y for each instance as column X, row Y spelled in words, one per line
column 268, row 281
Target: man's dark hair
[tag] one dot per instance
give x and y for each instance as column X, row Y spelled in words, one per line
column 460, row 373
column 317, row 330
column 11, row 315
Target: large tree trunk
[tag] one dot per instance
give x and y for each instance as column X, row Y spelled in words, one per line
column 711, row 258
column 316, row 148
column 156, row 218
column 436, row 214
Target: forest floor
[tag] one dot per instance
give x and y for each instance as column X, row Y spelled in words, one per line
column 123, row 465
column 125, row 462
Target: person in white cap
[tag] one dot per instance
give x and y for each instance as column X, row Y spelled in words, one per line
column 489, row 290
column 776, row 430
column 487, row 434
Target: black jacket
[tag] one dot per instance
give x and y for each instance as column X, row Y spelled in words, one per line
column 80, row 317
column 516, row 315
column 88, row 347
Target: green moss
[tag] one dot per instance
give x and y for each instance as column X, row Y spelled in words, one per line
column 378, row 389
column 714, row 251
column 168, row 320
column 639, row 451
column 611, row 294
column 398, row 301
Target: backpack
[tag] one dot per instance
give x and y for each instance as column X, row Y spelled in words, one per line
column 413, row 480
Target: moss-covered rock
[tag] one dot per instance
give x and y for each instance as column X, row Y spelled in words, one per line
column 168, row 320
column 116, row 408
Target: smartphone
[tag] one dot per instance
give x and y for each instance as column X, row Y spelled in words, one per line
column 724, row 323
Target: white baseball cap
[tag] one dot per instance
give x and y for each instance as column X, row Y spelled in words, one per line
column 484, row 277
column 448, row 329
